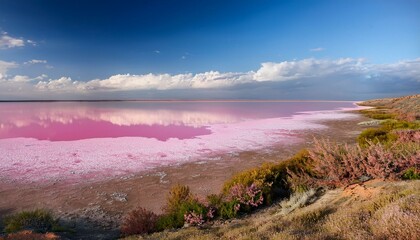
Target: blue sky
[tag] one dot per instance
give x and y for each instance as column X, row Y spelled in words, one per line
column 83, row 41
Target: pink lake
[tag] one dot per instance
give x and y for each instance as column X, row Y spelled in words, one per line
column 79, row 141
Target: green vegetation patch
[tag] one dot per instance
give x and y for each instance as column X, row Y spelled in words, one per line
column 38, row 220
column 379, row 114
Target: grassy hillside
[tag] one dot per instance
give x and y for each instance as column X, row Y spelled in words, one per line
column 406, row 108
column 374, row 210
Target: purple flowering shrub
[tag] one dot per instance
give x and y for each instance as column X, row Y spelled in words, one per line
column 247, row 197
column 194, row 219
column 341, row 165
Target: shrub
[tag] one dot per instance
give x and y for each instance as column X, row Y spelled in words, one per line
column 38, row 220
column 411, row 174
column 408, row 135
column 247, row 197
column 397, row 124
column 139, row 221
column 373, row 135
column 194, row 219
column 229, row 209
column 180, row 206
column 379, row 114
column 272, row 179
column 177, row 195
column 340, row 165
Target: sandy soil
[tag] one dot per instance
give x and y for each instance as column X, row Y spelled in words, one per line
column 100, row 205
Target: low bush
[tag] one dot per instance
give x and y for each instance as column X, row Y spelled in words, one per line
column 379, row 114
column 229, row 209
column 177, row 195
column 247, row 197
column 338, row 165
column 182, row 207
column 398, row 124
column 374, row 135
column 139, row 221
column 411, row 174
column 39, row 221
column 272, row 179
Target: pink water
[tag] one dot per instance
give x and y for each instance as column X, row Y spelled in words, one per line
column 92, row 140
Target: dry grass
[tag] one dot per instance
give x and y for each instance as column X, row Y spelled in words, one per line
column 392, row 213
column 29, row 235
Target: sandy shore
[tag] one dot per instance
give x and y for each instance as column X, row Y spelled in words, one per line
column 104, row 202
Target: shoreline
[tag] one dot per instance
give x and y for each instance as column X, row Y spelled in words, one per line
column 76, row 161
column 104, row 202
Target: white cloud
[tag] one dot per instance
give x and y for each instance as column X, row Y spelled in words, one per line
column 33, row 43
column 5, row 66
column 7, row 41
column 63, row 83
column 307, row 68
column 318, row 49
column 36, row 61
column 345, row 73
column 20, row 79
column 123, row 82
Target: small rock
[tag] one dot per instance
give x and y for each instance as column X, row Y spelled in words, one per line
column 119, row 196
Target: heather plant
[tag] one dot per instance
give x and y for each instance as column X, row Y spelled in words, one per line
column 139, row 221
column 247, row 197
column 408, row 135
column 340, row 165
column 194, row 219
column 183, row 207
column 39, row 221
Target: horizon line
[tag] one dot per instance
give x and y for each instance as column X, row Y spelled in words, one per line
column 181, row 100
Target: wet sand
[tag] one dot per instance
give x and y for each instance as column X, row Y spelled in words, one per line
column 103, row 203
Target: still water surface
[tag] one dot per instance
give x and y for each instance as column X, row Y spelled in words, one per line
column 67, row 121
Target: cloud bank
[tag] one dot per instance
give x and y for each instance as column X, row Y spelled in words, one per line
column 344, row 78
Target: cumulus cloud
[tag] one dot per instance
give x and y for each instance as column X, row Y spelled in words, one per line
column 312, row 78
column 7, row 41
column 307, row 68
column 121, row 82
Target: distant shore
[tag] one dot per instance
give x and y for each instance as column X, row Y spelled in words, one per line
column 176, row 100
